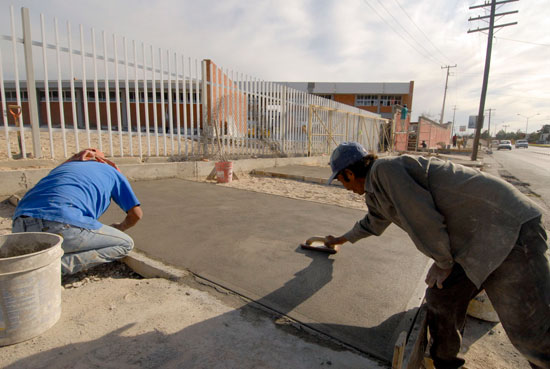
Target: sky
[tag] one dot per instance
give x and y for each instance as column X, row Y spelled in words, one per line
column 347, row 41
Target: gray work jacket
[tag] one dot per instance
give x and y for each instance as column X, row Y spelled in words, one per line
column 451, row 212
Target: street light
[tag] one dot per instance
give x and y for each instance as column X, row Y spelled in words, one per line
column 527, row 121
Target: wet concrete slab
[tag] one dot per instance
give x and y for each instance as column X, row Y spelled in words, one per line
column 249, row 242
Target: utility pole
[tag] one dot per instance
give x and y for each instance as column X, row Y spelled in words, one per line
column 527, row 122
column 505, row 126
column 489, row 127
column 445, row 92
column 492, row 4
column 453, row 126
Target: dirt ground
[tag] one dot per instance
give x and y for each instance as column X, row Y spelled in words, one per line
column 113, row 296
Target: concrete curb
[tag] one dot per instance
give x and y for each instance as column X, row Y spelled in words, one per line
column 24, row 175
column 315, row 180
column 149, row 268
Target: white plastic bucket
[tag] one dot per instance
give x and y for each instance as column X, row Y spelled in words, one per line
column 30, row 285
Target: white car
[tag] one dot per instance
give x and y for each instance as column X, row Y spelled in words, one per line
column 522, row 143
column 504, row 144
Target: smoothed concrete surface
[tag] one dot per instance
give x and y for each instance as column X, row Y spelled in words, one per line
column 249, row 242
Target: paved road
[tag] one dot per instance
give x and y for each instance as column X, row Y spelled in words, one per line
column 530, row 165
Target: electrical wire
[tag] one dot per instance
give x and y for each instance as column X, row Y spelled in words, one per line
column 427, row 38
column 401, row 36
column 524, row 42
column 407, row 32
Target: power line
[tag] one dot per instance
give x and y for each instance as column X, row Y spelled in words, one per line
column 398, row 34
column 404, row 29
column 523, row 42
column 427, row 38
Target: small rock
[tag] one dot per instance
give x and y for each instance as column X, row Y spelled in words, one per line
column 14, row 200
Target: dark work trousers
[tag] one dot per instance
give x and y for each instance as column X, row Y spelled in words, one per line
column 519, row 290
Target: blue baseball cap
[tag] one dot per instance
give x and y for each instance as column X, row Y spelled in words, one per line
column 345, row 155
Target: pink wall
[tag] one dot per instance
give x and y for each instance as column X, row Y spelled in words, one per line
column 227, row 102
column 433, row 133
column 401, row 131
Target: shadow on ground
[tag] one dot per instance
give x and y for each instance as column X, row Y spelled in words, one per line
column 222, row 342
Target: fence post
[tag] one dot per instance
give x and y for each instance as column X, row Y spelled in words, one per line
column 285, row 118
column 31, row 83
column 329, row 137
column 309, row 131
column 206, row 77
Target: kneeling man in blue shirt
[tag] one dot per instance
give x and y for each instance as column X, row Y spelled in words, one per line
column 69, row 202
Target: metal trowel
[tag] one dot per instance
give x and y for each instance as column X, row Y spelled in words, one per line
column 318, row 244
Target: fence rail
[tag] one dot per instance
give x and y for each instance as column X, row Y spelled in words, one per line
column 132, row 99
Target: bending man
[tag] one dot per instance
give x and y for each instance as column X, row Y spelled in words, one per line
column 69, row 202
column 481, row 232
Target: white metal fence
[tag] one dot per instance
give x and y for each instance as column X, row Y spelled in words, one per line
column 126, row 98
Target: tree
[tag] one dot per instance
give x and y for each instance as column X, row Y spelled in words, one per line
column 501, row 135
column 534, row 137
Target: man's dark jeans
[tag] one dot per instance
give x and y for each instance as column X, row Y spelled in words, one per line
column 519, row 290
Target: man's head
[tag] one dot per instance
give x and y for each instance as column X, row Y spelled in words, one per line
column 91, row 154
column 349, row 163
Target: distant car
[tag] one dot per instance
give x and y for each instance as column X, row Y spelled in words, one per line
column 504, row 144
column 494, row 143
column 522, row 143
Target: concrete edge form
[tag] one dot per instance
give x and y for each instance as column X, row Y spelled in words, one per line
column 149, row 268
column 417, row 341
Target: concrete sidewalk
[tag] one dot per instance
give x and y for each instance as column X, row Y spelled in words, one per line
column 248, row 243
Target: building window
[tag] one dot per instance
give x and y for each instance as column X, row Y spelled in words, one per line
column 53, row 95
column 100, row 96
column 66, row 95
column 389, row 100
column 329, row 97
column 366, row 100
column 195, row 97
column 11, row 95
column 142, row 96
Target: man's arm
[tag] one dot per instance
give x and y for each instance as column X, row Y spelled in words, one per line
column 132, row 217
column 373, row 224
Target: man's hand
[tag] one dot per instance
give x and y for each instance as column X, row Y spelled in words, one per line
column 331, row 241
column 436, row 276
column 132, row 217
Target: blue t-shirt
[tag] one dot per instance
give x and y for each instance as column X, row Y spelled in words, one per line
column 77, row 193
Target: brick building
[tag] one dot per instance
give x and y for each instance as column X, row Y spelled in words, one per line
column 82, row 104
column 377, row 98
